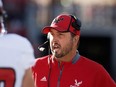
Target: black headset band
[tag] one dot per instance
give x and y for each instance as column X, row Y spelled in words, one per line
column 76, row 24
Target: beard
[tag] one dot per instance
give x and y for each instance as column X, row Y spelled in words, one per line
column 62, row 51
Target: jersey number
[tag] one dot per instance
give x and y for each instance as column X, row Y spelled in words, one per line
column 7, row 76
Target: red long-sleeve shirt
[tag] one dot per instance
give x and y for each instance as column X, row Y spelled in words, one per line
column 80, row 72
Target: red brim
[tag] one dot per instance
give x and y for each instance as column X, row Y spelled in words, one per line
column 45, row 30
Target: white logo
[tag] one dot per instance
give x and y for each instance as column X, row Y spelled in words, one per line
column 43, row 79
column 77, row 84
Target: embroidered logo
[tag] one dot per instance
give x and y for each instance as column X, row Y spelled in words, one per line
column 57, row 20
column 43, row 79
column 76, row 84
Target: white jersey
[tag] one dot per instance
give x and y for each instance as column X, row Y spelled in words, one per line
column 16, row 55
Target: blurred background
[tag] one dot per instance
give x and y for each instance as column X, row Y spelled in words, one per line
column 98, row 32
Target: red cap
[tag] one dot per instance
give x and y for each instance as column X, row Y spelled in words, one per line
column 62, row 23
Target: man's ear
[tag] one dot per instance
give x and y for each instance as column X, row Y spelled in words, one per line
column 76, row 39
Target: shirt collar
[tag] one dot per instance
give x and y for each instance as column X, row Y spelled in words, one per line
column 76, row 58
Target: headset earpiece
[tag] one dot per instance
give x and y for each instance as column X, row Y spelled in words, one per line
column 76, row 24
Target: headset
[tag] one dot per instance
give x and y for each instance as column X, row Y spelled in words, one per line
column 76, row 24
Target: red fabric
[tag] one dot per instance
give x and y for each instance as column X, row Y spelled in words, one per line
column 62, row 23
column 83, row 73
column 7, row 75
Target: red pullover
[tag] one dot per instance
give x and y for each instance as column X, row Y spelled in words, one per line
column 80, row 72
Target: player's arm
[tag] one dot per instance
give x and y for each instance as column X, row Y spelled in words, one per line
column 27, row 79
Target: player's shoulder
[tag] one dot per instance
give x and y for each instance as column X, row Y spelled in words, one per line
column 17, row 41
column 13, row 37
column 16, row 37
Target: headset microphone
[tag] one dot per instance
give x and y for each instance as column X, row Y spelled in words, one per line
column 40, row 48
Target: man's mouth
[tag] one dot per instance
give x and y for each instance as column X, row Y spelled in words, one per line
column 56, row 47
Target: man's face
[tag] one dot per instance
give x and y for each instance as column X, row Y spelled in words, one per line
column 60, row 43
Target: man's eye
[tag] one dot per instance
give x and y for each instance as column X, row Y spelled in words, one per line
column 60, row 34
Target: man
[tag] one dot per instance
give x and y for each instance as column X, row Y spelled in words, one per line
column 66, row 67
column 16, row 57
